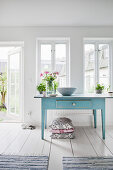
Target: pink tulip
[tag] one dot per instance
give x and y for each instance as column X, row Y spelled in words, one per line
column 41, row 75
column 46, row 72
column 57, row 73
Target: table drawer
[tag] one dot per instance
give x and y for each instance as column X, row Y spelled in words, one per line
column 73, row 104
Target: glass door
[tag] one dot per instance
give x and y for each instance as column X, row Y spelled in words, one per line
column 14, row 82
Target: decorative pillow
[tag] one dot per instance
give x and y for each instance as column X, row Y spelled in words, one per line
column 63, row 136
column 62, row 130
column 62, row 123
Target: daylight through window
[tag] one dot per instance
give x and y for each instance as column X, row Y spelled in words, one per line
column 97, row 65
column 53, row 56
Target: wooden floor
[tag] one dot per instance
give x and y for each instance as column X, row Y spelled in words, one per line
column 88, row 142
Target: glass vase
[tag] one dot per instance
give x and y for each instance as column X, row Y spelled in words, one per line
column 50, row 87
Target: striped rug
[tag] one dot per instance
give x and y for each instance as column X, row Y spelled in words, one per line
column 86, row 163
column 14, row 162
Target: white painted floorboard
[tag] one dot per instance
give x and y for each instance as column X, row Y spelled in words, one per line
column 88, row 142
column 97, row 143
column 59, row 148
column 81, row 145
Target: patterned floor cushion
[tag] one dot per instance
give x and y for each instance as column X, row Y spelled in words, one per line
column 63, row 136
column 62, row 123
column 62, row 130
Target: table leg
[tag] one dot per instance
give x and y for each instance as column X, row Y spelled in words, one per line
column 42, row 123
column 103, row 122
column 45, row 119
column 95, row 118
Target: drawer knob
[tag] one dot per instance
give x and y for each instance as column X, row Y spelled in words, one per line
column 74, row 104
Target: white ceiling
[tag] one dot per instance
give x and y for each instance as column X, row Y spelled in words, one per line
column 56, row 12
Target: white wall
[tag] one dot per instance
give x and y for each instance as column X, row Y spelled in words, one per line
column 76, row 34
column 56, row 12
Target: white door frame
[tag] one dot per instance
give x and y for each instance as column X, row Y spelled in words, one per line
column 18, row 44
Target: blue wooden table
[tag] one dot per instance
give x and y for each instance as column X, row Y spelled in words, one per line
column 80, row 101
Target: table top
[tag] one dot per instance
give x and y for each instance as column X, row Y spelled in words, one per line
column 78, row 96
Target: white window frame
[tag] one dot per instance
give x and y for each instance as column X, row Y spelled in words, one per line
column 96, row 42
column 52, row 41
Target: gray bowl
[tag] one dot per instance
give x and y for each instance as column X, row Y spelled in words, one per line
column 66, row 91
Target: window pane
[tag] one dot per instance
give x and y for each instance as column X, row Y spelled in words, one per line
column 14, row 86
column 53, row 58
column 89, row 50
column 60, row 65
column 45, row 57
column 103, row 54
